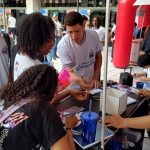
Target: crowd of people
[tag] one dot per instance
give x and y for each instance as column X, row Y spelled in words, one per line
column 37, row 124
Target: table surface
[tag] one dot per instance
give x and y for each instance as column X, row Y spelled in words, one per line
column 70, row 101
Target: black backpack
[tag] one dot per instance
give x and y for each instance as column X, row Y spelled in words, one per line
column 126, row 78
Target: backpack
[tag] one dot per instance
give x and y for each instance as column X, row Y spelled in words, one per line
column 11, row 53
column 126, row 78
column 4, row 114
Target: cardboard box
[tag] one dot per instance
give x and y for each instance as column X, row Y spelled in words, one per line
column 116, row 101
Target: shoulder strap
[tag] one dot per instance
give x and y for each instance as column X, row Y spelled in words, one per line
column 6, row 113
column 8, row 42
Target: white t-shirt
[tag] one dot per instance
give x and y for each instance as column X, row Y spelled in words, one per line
column 58, row 28
column 23, row 62
column 147, row 83
column 12, row 22
column 148, row 72
column 113, row 30
column 82, row 56
column 101, row 33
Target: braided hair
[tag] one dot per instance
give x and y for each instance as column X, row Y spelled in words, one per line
column 38, row 82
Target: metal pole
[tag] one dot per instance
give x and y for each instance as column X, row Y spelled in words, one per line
column 4, row 15
column 107, row 16
column 77, row 5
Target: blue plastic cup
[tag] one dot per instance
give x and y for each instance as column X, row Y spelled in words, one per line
column 89, row 125
column 139, row 85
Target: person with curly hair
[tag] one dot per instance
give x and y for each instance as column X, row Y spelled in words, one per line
column 37, row 123
column 36, row 36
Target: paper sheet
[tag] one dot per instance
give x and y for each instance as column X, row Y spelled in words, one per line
column 131, row 100
column 95, row 91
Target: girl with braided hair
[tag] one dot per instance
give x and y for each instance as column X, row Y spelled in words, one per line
column 37, row 123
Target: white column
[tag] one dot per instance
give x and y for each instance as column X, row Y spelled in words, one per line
column 32, row 6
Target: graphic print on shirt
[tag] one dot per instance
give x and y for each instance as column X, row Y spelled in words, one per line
column 11, row 122
column 15, row 119
column 88, row 63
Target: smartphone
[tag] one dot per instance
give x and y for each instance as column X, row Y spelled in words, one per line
column 72, row 110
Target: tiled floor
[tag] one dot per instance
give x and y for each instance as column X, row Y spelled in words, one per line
column 146, row 145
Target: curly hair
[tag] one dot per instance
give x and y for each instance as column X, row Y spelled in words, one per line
column 143, row 60
column 33, row 30
column 73, row 18
column 38, row 82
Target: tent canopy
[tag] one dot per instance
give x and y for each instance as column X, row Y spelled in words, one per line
column 142, row 2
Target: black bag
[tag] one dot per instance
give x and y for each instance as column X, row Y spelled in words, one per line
column 126, row 78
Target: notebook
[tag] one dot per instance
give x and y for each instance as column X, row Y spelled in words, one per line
column 78, row 138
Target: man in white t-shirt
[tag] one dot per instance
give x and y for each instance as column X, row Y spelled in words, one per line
column 12, row 25
column 39, row 41
column 98, row 28
column 80, row 52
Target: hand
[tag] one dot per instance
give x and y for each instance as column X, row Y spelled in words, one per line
column 86, row 84
column 79, row 95
column 70, row 121
column 95, row 83
column 144, row 78
column 116, row 121
column 144, row 92
column 138, row 75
